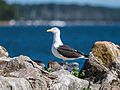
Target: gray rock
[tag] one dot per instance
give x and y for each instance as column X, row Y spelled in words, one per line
column 55, row 66
column 4, row 55
column 66, row 81
column 12, row 83
column 21, row 73
column 22, row 70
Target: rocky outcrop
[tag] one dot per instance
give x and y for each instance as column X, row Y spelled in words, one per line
column 4, row 55
column 66, row 81
column 21, row 73
column 100, row 72
column 103, row 65
column 107, row 54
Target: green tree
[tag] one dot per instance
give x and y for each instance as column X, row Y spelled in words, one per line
column 6, row 11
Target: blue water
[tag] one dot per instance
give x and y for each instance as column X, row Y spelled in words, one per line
column 35, row 42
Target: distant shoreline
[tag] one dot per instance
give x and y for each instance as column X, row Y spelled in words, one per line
column 54, row 23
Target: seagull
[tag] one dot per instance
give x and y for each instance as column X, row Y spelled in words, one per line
column 62, row 51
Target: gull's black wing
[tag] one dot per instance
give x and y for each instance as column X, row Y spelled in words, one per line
column 68, row 52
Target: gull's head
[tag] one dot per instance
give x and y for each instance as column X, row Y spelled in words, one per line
column 54, row 30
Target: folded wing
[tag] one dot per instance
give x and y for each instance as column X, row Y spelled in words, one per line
column 68, row 52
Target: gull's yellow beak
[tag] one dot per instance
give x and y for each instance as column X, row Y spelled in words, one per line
column 49, row 30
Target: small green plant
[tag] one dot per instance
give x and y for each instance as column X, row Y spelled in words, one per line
column 75, row 72
column 82, row 74
column 86, row 88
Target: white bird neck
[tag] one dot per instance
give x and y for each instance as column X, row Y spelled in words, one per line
column 57, row 41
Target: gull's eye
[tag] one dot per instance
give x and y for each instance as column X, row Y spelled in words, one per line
column 54, row 29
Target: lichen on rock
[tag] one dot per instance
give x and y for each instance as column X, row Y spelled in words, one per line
column 106, row 53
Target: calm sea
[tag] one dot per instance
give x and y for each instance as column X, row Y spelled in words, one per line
column 35, row 42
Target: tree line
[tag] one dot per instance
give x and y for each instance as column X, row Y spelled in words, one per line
column 57, row 12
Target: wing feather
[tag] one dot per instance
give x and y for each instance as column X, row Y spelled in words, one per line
column 68, row 52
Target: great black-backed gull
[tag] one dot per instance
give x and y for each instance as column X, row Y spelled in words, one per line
column 62, row 51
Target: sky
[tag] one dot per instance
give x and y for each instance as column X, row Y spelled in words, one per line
column 105, row 3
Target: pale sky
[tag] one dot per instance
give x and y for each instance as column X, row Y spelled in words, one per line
column 106, row 3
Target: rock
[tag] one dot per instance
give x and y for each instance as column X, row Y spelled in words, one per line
column 66, row 81
column 105, row 56
column 106, row 53
column 21, row 73
column 19, row 63
column 12, row 83
column 23, row 70
column 55, row 66
column 107, row 86
column 4, row 54
column 40, row 63
column 103, row 65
